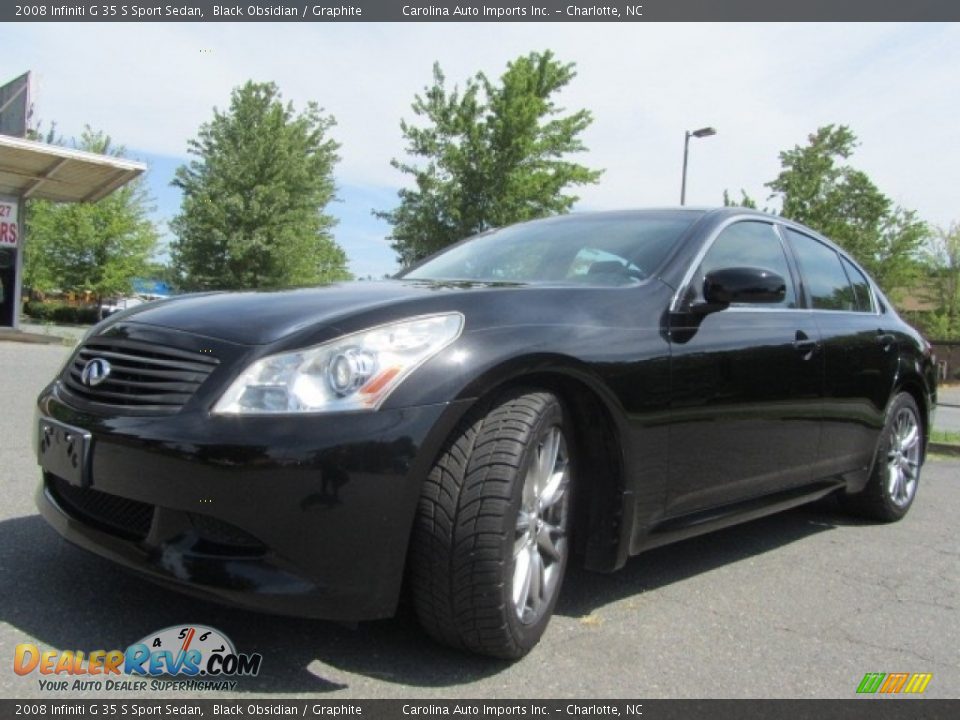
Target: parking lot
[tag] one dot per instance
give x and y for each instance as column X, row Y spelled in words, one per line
column 801, row 604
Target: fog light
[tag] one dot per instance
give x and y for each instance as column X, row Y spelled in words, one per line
column 349, row 370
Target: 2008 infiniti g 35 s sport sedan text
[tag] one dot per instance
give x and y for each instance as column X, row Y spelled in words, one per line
column 582, row 387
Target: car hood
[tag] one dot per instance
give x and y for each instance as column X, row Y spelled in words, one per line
column 262, row 317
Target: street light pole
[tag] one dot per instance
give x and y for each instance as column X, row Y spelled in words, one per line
column 702, row 132
column 683, row 181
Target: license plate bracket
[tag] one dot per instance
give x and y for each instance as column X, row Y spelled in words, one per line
column 64, row 451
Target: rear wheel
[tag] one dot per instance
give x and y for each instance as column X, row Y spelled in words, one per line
column 491, row 539
column 893, row 483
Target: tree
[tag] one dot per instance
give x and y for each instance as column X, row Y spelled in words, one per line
column 90, row 247
column 745, row 200
column 492, row 155
column 943, row 270
column 254, row 199
column 816, row 188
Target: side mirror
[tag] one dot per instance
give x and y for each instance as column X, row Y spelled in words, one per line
column 743, row 285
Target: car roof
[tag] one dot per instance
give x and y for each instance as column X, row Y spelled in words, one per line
column 666, row 212
column 626, row 214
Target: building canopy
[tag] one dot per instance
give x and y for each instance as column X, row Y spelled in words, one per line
column 31, row 169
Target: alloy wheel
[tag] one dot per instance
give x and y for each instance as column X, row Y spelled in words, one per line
column 540, row 543
column 903, row 457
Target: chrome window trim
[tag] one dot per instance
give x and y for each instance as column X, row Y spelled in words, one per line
column 840, row 253
column 702, row 253
column 777, row 224
column 747, row 308
column 858, row 313
column 873, row 300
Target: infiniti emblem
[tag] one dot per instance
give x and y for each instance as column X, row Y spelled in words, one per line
column 95, row 372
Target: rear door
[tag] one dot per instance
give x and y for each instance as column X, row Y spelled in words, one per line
column 746, row 383
column 860, row 355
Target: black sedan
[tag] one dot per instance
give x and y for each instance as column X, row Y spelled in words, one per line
column 586, row 386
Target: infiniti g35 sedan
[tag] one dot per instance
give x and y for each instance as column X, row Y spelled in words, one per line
column 575, row 389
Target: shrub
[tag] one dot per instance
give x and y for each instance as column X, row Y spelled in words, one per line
column 37, row 310
column 60, row 313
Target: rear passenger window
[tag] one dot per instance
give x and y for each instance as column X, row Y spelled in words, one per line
column 823, row 276
column 861, row 288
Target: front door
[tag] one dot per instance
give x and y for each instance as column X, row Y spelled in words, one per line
column 746, row 384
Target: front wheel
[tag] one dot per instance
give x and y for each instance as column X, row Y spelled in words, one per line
column 491, row 538
column 892, row 486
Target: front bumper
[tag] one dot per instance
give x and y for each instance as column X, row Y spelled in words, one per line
column 300, row 515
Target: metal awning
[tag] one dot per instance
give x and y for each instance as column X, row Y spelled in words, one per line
column 31, row 169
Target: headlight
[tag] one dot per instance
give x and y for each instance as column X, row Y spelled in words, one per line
column 353, row 372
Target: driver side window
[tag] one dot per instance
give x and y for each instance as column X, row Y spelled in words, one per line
column 745, row 244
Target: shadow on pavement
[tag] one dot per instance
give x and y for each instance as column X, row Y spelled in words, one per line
column 584, row 592
column 70, row 599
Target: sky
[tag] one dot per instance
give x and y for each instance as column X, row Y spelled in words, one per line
column 764, row 87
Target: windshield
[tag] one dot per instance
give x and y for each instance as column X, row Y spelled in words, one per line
column 590, row 250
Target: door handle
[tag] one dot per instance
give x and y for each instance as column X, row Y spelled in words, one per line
column 804, row 344
column 885, row 339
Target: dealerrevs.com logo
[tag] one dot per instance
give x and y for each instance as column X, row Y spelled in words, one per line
column 199, row 657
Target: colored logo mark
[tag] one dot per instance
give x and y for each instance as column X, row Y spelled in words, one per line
column 893, row 683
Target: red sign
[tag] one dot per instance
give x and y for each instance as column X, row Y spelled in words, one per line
column 9, row 229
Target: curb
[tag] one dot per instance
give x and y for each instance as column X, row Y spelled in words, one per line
column 32, row 338
column 944, row 449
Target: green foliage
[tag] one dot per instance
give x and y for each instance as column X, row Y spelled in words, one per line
column 942, row 282
column 945, row 436
column 745, row 200
column 817, row 188
column 51, row 137
column 492, row 155
column 56, row 312
column 254, row 199
column 90, row 247
column 936, row 324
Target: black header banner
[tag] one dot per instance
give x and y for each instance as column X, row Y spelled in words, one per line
column 483, row 11
column 488, row 709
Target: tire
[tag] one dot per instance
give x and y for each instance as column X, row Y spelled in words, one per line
column 895, row 476
column 492, row 528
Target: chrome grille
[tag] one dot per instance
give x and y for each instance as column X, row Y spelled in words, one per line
column 142, row 376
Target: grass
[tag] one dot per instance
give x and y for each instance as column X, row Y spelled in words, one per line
column 945, row 436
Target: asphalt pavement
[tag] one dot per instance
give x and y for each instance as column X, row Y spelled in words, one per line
column 948, row 412
column 947, row 418
column 800, row 604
